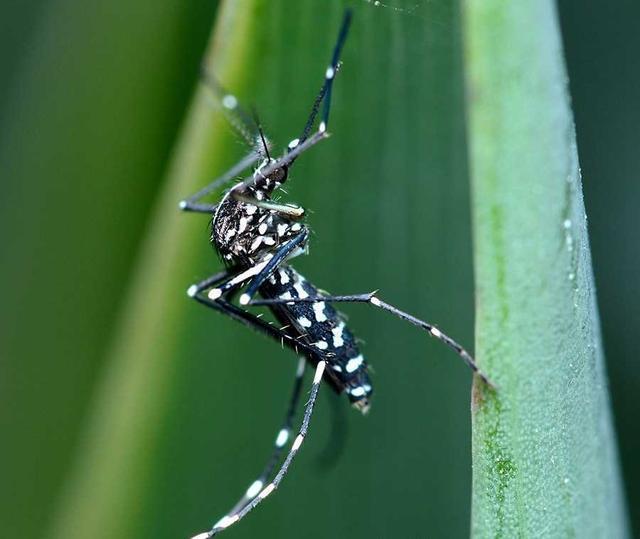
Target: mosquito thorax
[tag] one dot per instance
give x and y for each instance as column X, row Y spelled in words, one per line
column 248, row 225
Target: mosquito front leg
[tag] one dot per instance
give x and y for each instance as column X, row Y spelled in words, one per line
column 288, row 210
column 232, row 282
column 325, row 90
column 279, row 256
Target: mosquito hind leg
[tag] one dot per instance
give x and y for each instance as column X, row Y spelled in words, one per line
column 372, row 299
column 257, row 491
column 283, row 436
column 231, row 517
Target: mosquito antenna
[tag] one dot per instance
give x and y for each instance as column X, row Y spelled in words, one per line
column 256, row 121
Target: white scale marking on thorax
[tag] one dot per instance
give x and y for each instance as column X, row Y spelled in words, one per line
column 282, row 229
column 243, row 225
column 284, row 277
column 256, row 243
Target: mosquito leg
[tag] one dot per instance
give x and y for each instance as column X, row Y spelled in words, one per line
column 372, row 299
column 290, row 339
column 232, row 282
column 289, row 210
column 231, row 517
column 258, row 274
column 333, row 67
column 198, row 208
column 325, row 90
column 286, row 159
column 229, row 282
column 255, row 493
column 280, row 254
column 283, row 436
column 191, row 203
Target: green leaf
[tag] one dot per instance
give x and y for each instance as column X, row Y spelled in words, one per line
column 544, row 451
column 113, row 483
column 190, row 402
column 92, row 94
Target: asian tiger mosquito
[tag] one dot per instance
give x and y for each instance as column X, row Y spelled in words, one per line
column 256, row 237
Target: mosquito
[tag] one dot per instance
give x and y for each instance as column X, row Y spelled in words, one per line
column 256, row 238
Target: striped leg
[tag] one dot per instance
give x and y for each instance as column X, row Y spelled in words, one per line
column 372, row 299
column 305, row 141
column 325, row 91
column 229, row 283
column 191, row 203
column 279, row 256
column 256, row 493
column 284, row 336
column 284, row 434
column 231, row 517
column 256, row 274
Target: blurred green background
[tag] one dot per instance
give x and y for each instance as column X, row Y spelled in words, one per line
column 93, row 95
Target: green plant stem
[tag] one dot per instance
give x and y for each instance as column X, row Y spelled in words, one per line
column 544, row 450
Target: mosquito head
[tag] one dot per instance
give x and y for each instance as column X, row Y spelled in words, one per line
column 273, row 179
column 266, row 178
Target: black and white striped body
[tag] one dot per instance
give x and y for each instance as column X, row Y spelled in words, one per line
column 246, row 235
column 323, row 328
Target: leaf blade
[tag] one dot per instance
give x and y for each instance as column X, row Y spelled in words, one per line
column 544, row 450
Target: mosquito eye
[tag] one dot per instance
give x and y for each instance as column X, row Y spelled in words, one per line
column 280, row 175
